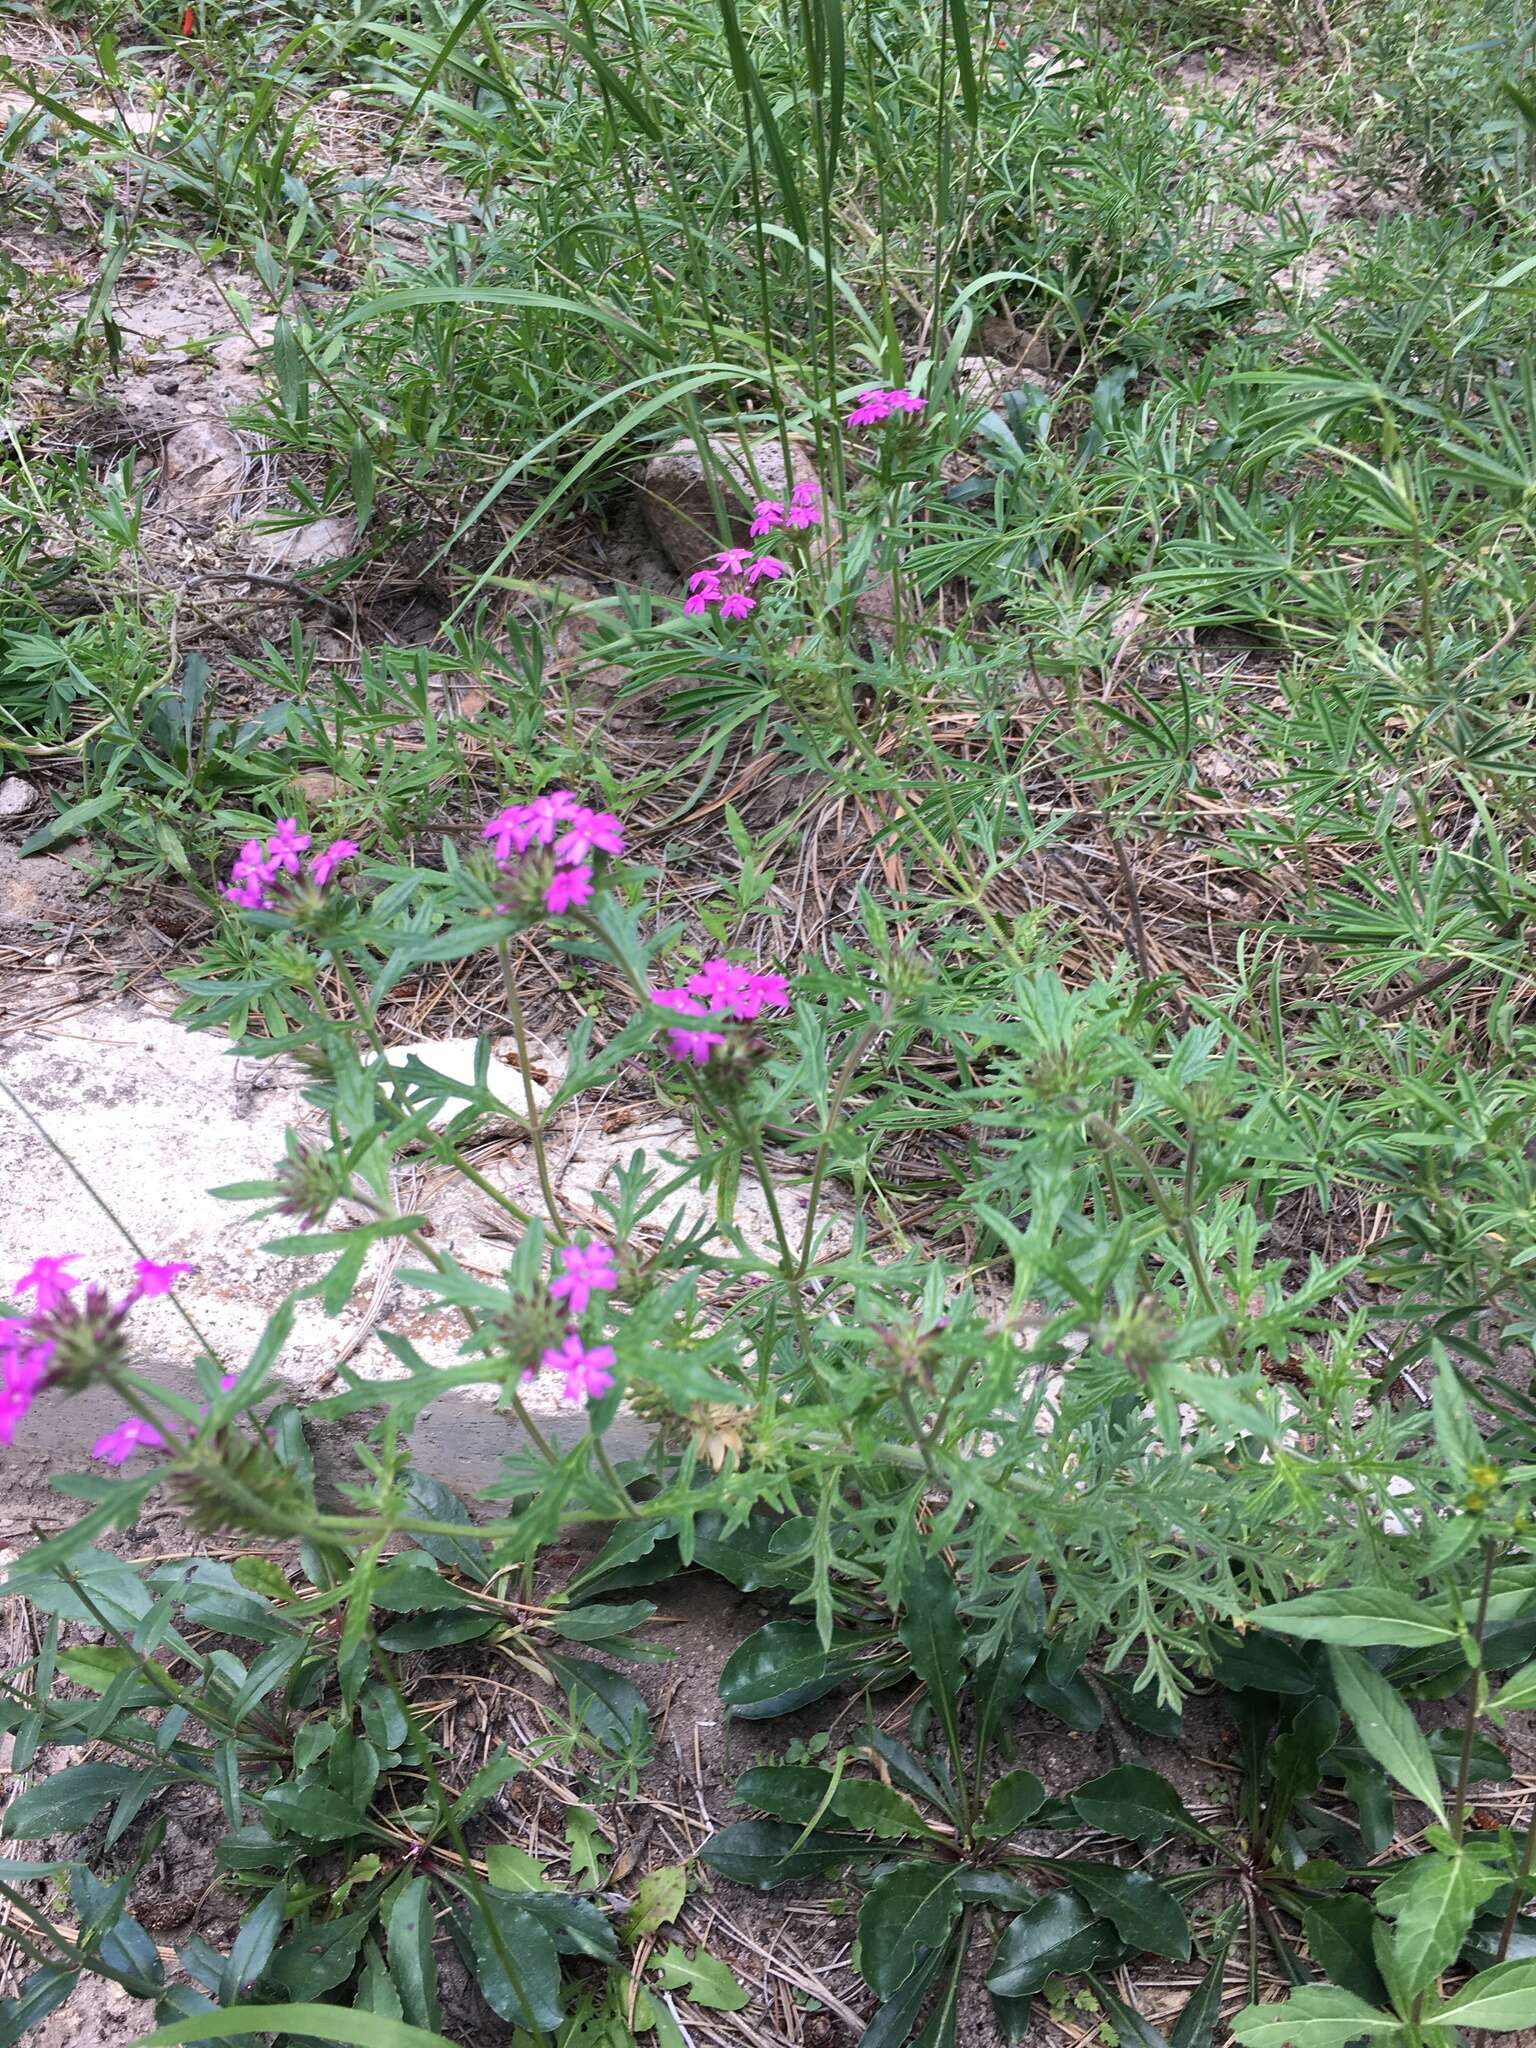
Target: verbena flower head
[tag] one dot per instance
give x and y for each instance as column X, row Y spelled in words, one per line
column 688, row 1043
column 256, row 870
column 738, row 992
column 700, row 601
column 585, row 1270
column 49, row 1280
column 765, row 565
column 588, row 832
column 568, row 889
column 707, row 580
column 133, row 1434
column 732, row 561
column 877, row 404
column 24, row 1362
column 588, row 1369
column 552, row 839
column 767, row 513
column 737, row 605
column 330, row 858
column 151, row 1278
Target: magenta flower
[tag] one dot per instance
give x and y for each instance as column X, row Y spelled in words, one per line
column 585, row 1270
column 805, row 493
column 568, row 889
column 707, row 580
column 738, row 992
column 687, row 1043
column 589, row 832
column 731, row 561
column 520, row 826
column 767, row 513
column 902, row 400
column 150, row 1278
column 700, row 601
column 803, row 516
column 284, row 848
column 588, row 1369
column 872, row 409
column 50, row 1280
column 765, row 565
column 129, row 1436
column 24, row 1362
column 329, row 859
column 737, row 605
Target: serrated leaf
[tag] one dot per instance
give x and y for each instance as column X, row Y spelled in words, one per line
column 658, row 1901
column 701, row 1977
column 1500, row 1999
column 1360, row 1617
column 1314, row 2016
column 1386, row 1727
column 1433, row 1902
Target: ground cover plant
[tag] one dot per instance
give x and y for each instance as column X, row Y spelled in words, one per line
column 934, row 604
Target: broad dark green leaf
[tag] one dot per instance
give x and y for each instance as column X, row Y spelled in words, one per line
column 893, row 2022
column 1196, row 2025
column 1054, row 1938
column 1143, row 1912
column 787, row 1791
column 783, row 1666
column 907, row 1915
column 574, row 1925
column 1074, row 1701
column 1131, row 2029
column 1143, row 1709
column 313, row 1812
column 606, row 1704
column 1260, row 1663
column 1339, row 1934
column 412, row 1965
column 930, row 1629
column 527, row 1994
column 1136, row 1803
column 1433, row 1901
column 1012, row 1801
column 765, row 1853
column 254, row 1944
column 317, row 1956
column 68, row 1801
column 1296, row 1759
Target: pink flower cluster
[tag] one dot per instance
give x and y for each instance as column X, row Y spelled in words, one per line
column 877, row 404
column 568, row 830
column 799, row 511
column 722, row 992
column 707, row 586
column 257, row 867
column 585, row 1270
column 30, row 1342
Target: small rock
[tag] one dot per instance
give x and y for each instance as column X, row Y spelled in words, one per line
column 322, row 541
column 454, row 1059
column 16, row 797
column 203, row 469
column 319, row 785
column 984, row 380
column 676, row 498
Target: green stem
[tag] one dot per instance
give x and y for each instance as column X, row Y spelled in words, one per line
column 1475, row 1693
column 1528, row 1856
column 844, row 1082
column 535, row 1124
